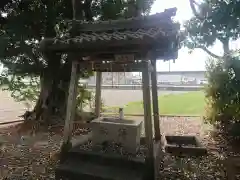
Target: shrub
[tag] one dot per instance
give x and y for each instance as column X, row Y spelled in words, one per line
column 86, row 99
column 223, row 94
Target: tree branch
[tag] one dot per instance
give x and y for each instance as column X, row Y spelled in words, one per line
column 225, row 43
column 209, row 52
column 87, row 10
column 17, row 68
column 30, row 70
column 204, row 49
column 28, row 50
column 194, row 10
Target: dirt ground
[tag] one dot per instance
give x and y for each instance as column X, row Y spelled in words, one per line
column 26, row 157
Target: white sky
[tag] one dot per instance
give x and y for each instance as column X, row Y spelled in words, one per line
column 185, row 61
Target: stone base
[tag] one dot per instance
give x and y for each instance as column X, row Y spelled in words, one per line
column 184, row 146
column 125, row 133
column 89, row 164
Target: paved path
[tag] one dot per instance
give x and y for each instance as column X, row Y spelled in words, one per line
column 10, row 110
column 122, row 97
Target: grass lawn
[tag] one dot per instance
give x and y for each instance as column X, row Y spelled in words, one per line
column 190, row 103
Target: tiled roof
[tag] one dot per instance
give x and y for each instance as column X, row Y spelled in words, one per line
column 162, row 19
column 153, row 33
column 140, row 18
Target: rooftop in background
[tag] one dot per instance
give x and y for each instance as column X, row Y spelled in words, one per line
column 180, row 72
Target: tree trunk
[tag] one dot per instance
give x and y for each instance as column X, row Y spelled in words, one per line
column 51, row 105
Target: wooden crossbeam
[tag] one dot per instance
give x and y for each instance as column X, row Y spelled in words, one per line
column 115, row 66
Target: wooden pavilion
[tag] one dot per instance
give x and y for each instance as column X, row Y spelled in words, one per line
column 126, row 45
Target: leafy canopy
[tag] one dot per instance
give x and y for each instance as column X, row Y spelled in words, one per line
column 214, row 20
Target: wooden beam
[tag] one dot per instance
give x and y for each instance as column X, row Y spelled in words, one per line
column 71, row 103
column 98, row 94
column 115, row 66
column 155, row 101
column 150, row 162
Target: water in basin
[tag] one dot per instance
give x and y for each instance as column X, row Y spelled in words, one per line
column 117, row 120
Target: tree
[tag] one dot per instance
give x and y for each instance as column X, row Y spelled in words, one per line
column 25, row 23
column 214, row 20
column 218, row 20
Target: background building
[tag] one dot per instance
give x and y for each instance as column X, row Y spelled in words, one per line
column 173, row 77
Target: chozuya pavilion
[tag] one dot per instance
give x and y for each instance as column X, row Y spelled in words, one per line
column 115, row 148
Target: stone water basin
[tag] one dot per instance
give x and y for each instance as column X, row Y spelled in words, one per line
column 121, row 131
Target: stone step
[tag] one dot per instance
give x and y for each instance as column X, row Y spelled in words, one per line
column 75, row 170
column 106, row 159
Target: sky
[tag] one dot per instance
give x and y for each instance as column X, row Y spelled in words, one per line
column 185, row 62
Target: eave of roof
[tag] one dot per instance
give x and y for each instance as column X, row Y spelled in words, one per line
column 152, row 32
column 140, row 34
column 163, row 20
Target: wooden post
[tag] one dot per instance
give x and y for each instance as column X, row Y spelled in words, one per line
column 155, row 101
column 71, row 103
column 148, row 122
column 70, row 114
column 98, row 94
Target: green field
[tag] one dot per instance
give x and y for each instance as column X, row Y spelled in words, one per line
column 191, row 103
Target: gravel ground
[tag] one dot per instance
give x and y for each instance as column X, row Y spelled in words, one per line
column 33, row 157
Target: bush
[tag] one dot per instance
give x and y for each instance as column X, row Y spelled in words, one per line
column 223, row 95
column 86, row 99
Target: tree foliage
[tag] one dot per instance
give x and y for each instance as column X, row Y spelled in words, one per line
column 214, row 20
